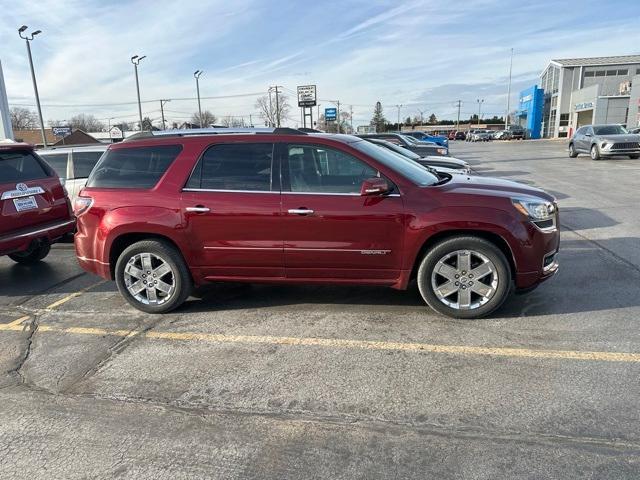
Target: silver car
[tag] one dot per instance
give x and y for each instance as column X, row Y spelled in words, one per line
column 601, row 141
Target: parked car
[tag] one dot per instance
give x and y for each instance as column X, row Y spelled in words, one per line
column 635, row 131
column 437, row 162
column 73, row 164
column 517, row 132
column 423, row 136
column 34, row 208
column 409, row 143
column 460, row 135
column 481, row 136
column 168, row 210
column 601, row 141
column 502, row 135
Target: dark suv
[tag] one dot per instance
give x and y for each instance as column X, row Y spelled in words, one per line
column 34, row 208
column 165, row 211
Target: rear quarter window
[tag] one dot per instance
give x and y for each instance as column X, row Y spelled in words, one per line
column 135, row 167
column 57, row 161
column 21, row 167
column 83, row 163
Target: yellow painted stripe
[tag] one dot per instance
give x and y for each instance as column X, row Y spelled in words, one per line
column 71, row 296
column 18, row 321
column 349, row 344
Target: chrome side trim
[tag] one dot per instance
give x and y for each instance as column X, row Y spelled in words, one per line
column 336, row 194
column 278, row 193
column 243, row 248
column 226, row 191
column 39, row 230
column 86, row 259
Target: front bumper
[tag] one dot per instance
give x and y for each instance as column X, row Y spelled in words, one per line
column 538, row 260
column 613, row 152
column 21, row 240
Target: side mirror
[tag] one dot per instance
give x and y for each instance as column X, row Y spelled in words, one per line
column 374, row 186
column 587, row 134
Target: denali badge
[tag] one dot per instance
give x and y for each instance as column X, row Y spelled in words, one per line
column 21, row 191
column 374, row 252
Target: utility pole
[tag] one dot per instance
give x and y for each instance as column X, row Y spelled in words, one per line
column 338, row 116
column 250, row 121
column 480, row 102
column 351, row 117
column 277, row 109
column 28, row 40
column 136, row 61
column 162, row 102
column 506, row 118
column 318, row 115
column 270, row 110
column 458, row 120
column 196, row 75
column 399, row 107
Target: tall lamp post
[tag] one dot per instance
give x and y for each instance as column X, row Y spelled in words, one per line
column 480, row 102
column 29, row 38
column 136, row 61
column 196, row 75
column 506, row 118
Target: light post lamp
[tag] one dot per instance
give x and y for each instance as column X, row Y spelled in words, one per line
column 136, row 61
column 399, row 107
column 28, row 39
column 480, row 102
column 196, row 75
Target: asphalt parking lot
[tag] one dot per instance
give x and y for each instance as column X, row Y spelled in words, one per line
column 255, row 381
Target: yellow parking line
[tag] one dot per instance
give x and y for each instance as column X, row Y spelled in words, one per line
column 350, row 344
column 18, row 321
column 71, row 296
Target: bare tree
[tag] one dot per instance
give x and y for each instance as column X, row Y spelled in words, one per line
column 208, row 118
column 273, row 113
column 23, row 118
column 230, row 121
column 85, row 122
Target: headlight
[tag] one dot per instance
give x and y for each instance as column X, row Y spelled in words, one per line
column 535, row 209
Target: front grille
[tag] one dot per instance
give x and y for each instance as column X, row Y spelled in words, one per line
column 625, row 145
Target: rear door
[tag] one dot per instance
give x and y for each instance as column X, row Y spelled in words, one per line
column 30, row 192
column 232, row 212
column 330, row 231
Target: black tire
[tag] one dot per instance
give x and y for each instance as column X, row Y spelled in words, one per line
column 634, row 157
column 572, row 151
column 476, row 244
column 31, row 256
column 179, row 271
column 595, row 153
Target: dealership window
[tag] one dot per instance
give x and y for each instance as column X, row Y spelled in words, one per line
column 600, row 73
column 564, row 119
column 623, row 72
column 612, row 73
column 589, row 74
column 637, row 71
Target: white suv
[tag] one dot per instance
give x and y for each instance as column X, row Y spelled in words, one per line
column 73, row 164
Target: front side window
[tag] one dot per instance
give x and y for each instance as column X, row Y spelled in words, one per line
column 133, row 167
column 318, row 169
column 235, row 166
column 58, row 161
column 83, row 163
column 20, row 167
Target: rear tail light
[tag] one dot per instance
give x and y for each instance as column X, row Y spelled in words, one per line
column 81, row 205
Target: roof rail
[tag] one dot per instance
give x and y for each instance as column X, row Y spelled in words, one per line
column 213, row 131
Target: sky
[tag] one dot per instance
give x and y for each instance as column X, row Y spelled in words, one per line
column 423, row 55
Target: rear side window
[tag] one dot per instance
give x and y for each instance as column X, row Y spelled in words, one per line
column 240, row 166
column 58, row 161
column 83, row 163
column 133, row 167
column 20, row 167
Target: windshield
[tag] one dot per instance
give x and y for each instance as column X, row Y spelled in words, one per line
column 610, row 130
column 405, row 167
column 410, row 139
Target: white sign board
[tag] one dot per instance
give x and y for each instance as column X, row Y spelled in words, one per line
column 307, row 96
column 115, row 132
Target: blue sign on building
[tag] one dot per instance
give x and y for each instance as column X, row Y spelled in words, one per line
column 531, row 103
column 330, row 113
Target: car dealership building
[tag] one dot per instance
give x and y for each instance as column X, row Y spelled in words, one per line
column 582, row 91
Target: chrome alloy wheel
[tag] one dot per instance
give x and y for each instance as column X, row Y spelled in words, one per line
column 149, row 279
column 464, row 279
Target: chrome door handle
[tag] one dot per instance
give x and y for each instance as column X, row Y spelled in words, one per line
column 300, row 211
column 198, row 209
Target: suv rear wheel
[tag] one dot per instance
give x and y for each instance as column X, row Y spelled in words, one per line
column 32, row 255
column 464, row 277
column 152, row 276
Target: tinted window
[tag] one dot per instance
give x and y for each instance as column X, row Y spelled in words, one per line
column 623, row 72
column 242, row 166
column 314, row 168
column 20, row 167
column 133, row 167
column 612, row 73
column 58, row 161
column 83, row 163
column 589, row 74
column 580, row 131
column 600, row 73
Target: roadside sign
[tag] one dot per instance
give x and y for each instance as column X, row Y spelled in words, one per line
column 115, row 132
column 61, row 131
column 330, row 113
column 307, row 96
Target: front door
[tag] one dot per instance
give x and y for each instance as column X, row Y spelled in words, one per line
column 232, row 212
column 330, row 231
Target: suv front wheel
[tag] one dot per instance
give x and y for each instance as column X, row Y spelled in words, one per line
column 152, row 276
column 464, row 277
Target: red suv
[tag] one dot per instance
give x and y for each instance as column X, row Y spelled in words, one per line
column 34, row 208
column 165, row 211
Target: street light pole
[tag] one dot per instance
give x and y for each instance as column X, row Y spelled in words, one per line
column 136, row 61
column 506, row 118
column 480, row 102
column 196, row 75
column 399, row 107
column 29, row 39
